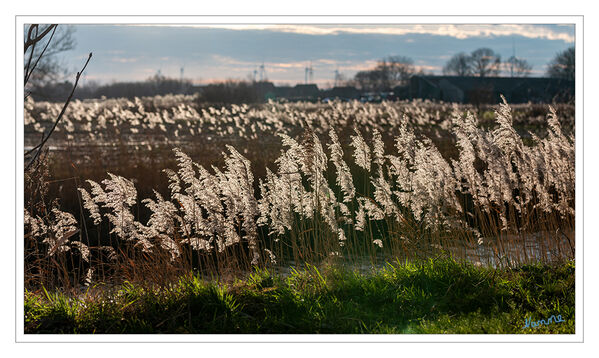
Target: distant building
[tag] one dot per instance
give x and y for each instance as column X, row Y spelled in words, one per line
column 265, row 89
column 283, row 91
column 300, row 92
column 306, row 91
column 479, row 90
column 264, row 86
column 344, row 93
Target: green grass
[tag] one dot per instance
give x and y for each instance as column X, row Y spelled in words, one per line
column 442, row 296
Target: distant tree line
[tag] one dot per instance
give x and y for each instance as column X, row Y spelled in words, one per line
column 388, row 73
column 230, row 91
column 155, row 85
column 394, row 71
column 563, row 65
column 484, row 62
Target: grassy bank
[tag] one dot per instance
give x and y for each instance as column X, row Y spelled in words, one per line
column 442, row 296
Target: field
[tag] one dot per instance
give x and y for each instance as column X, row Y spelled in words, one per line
column 156, row 189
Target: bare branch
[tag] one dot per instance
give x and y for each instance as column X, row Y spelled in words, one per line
column 29, row 72
column 31, row 29
column 32, row 41
column 40, row 146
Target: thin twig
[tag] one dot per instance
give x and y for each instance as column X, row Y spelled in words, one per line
column 32, row 41
column 64, row 108
column 29, row 72
column 31, row 28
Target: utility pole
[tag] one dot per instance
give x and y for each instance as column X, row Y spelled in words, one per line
column 308, row 72
column 513, row 57
column 306, row 75
column 181, row 85
column 262, row 73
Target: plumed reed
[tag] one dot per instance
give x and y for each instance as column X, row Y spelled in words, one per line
column 401, row 196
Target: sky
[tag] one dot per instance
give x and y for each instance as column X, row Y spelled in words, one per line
column 212, row 53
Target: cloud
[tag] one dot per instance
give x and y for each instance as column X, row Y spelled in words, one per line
column 124, row 59
column 318, row 65
column 358, row 66
column 461, row 31
column 270, row 65
column 219, row 52
column 428, row 68
column 226, row 60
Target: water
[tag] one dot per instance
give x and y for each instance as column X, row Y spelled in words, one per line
column 509, row 250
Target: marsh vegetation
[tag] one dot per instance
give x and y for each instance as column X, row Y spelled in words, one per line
column 162, row 190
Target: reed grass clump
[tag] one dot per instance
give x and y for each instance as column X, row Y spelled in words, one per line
column 501, row 199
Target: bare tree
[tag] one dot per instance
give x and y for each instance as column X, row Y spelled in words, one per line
column 382, row 75
column 563, row 65
column 389, row 72
column 42, row 45
column 517, row 67
column 38, row 35
column 400, row 69
column 459, row 65
column 485, row 62
column 372, row 80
